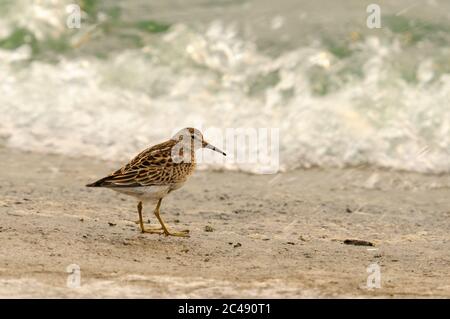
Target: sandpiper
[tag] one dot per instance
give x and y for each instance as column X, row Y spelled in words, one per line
column 157, row 171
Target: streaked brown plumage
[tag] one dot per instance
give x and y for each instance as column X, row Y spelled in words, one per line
column 153, row 166
column 157, row 171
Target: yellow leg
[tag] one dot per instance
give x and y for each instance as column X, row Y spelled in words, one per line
column 183, row 233
column 141, row 223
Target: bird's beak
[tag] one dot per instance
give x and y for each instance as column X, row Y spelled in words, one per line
column 212, row 147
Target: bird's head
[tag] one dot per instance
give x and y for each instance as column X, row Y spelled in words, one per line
column 193, row 138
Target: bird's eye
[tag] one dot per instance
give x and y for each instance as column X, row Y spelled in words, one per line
column 192, row 136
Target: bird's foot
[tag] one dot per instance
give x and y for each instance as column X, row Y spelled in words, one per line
column 152, row 230
column 159, row 231
column 181, row 233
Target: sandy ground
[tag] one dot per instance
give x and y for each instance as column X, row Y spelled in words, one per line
column 272, row 236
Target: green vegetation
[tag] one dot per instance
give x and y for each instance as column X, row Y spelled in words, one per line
column 338, row 49
column 415, row 30
column 262, row 82
column 17, row 38
column 110, row 30
column 152, row 26
column 89, row 6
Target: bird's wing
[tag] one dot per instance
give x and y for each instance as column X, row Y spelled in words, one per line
column 148, row 168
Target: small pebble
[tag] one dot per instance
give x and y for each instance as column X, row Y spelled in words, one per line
column 209, row 229
column 237, row 245
column 358, row 242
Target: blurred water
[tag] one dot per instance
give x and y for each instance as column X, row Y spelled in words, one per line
column 340, row 93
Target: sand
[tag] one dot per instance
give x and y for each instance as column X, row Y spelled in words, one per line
column 276, row 236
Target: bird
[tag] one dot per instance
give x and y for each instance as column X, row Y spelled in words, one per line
column 157, row 171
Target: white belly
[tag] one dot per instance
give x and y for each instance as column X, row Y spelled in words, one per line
column 144, row 193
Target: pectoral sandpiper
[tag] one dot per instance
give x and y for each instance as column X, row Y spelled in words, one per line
column 157, row 171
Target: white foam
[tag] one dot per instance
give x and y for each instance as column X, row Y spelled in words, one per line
column 112, row 108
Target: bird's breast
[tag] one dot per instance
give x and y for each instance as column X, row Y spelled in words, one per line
column 181, row 172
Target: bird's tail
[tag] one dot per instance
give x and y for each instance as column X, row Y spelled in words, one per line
column 95, row 184
column 98, row 183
